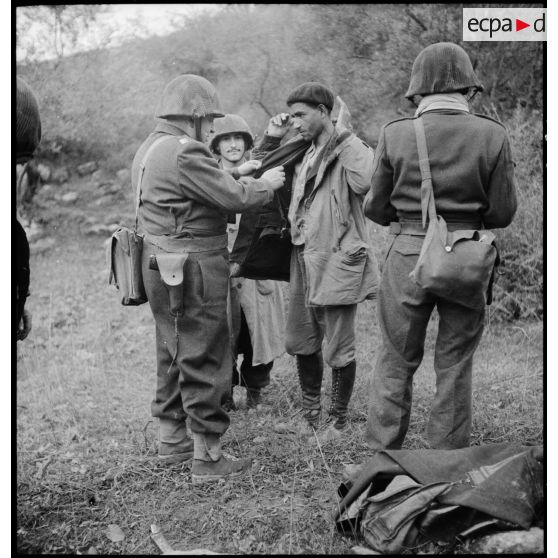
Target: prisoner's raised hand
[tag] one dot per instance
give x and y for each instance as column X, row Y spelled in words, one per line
column 249, row 167
column 279, row 125
column 344, row 117
column 276, row 177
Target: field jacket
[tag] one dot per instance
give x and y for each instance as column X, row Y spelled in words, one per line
column 340, row 266
column 185, row 193
column 471, row 165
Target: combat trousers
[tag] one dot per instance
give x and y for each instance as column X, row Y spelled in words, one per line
column 308, row 325
column 193, row 358
column 404, row 310
column 251, row 377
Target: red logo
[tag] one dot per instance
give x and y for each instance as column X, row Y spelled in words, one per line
column 519, row 25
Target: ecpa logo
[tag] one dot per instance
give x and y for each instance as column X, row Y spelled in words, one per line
column 504, row 24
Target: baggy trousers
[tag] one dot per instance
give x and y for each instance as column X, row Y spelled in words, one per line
column 308, row 325
column 193, row 356
column 404, row 310
column 250, row 376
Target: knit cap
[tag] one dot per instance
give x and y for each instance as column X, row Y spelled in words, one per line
column 312, row 92
column 28, row 122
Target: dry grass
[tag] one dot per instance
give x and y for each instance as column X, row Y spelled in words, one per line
column 86, row 443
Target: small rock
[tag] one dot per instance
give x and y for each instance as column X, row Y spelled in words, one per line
column 115, row 189
column 123, row 176
column 260, row 440
column 34, row 232
column 511, row 542
column 60, row 175
column 114, row 533
column 104, row 200
column 47, row 190
column 87, row 168
column 44, row 172
column 99, row 175
column 69, row 197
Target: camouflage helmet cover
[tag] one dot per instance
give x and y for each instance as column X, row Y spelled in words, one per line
column 189, row 95
column 442, row 68
column 231, row 124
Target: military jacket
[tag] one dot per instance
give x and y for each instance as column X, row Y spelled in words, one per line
column 184, row 192
column 471, row 165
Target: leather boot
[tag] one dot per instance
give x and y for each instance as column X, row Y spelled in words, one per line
column 210, row 464
column 175, row 446
column 342, row 382
column 310, row 372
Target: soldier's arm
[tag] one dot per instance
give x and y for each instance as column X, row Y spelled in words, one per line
column 357, row 159
column 502, row 200
column 377, row 205
column 202, row 180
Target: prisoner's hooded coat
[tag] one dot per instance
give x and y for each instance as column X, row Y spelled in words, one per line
column 340, row 266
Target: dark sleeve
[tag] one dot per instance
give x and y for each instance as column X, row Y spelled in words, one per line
column 377, row 205
column 502, row 201
column 268, row 143
column 22, row 270
column 204, row 181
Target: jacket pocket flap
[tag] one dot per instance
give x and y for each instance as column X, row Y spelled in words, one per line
column 484, row 236
column 171, row 268
column 407, row 249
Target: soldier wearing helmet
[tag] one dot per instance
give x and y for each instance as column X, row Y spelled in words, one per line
column 28, row 136
column 472, row 176
column 184, row 199
column 255, row 310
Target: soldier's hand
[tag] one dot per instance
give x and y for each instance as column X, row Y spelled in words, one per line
column 24, row 326
column 344, row 117
column 279, row 125
column 276, row 176
column 249, row 167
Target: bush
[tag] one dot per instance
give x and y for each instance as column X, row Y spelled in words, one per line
column 519, row 288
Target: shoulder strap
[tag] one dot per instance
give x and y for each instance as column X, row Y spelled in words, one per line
column 427, row 202
column 142, row 169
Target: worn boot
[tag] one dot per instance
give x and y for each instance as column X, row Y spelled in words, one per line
column 342, row 382
column 210, row 464
column 253, row 397
column 310, row 372
column 175, row 446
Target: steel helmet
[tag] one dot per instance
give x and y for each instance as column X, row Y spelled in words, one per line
column 231, row 124
column 442, row 68
column 189, row 95
column 28, row 122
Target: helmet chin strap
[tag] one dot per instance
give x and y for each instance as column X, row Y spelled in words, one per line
column 197, row 128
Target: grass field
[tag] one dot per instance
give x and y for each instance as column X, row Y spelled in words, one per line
column 86, row 442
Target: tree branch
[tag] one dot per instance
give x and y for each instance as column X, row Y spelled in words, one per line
column 415, row 19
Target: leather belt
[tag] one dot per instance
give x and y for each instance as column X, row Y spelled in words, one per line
column 187, row 245
column 414, row 228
